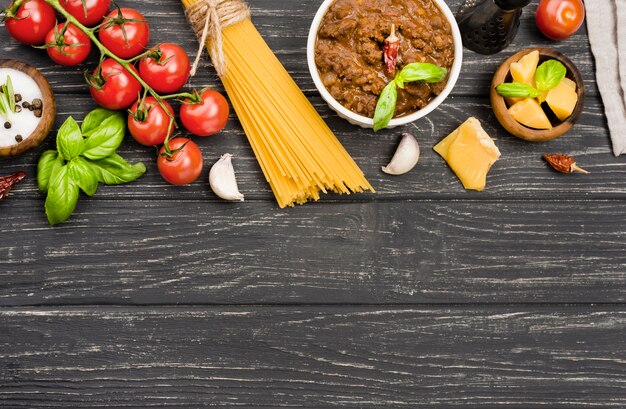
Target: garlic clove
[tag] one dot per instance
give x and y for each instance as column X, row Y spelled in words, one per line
column 222, row 179
column 406, row 157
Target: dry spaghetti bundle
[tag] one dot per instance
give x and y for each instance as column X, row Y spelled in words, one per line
column 298, row 153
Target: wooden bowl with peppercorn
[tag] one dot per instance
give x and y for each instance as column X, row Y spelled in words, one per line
column 356, row 48
column 27, row 107
column 537, row 94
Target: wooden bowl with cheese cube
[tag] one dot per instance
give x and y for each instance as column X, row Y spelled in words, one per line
column 551, row 113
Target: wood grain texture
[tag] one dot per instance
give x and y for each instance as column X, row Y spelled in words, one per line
column 151, row 252
column 307, row 357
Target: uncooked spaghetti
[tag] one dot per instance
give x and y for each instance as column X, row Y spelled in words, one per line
column 298, row 153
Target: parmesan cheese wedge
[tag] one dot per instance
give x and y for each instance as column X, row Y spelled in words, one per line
column 529, row 113
column 470, row 153
column 562, row 99
column 524, row 71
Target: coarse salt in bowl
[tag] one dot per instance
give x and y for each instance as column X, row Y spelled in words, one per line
column 364, row 121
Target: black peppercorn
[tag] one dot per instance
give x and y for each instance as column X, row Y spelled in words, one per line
column 18, row 138
column 37, row 113
column 18, row 97
column 25, row 104
column 7, row 125
column 37, row 103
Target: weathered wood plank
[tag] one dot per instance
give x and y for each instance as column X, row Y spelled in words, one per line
column 285, row 26
column 521, row 173
column 306, row 357
column 154, row 252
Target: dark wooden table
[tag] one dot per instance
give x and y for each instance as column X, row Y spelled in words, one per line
column 423, row 295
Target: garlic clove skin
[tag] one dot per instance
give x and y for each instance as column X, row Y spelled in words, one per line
column 222, row 179
column 406, row 157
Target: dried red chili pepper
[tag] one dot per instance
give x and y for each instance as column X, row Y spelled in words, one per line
column 563, row 163
column 7, row 183
column 390, row 50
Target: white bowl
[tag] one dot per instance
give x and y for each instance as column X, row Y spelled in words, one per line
column 364, row 121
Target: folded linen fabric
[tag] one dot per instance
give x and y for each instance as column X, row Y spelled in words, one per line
column 606, row 25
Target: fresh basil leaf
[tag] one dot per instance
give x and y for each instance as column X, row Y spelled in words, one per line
column 105, row 139
column 385, row 106
column 517, row 90
column 114, row 170
column 95, row 118
column 62, row 196
column 49, row 162
column 83, row 175
column 70, row 141
column 420, row 71
column 549, row 75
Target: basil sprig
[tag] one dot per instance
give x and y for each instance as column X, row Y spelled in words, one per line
column 413, row 72
column 548, row 75
column 517, row 90
column 84, row 157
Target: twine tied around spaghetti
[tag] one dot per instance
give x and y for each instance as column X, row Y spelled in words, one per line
column 208, row 18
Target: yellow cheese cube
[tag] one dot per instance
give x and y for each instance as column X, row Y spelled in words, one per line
column 470, row 153
column 524, row 70
column 565, row 81
column 528, row 112
column 562, row 100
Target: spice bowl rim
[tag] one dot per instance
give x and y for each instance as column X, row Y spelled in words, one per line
column 499, row 106
column 364, row 121
column 48, row 115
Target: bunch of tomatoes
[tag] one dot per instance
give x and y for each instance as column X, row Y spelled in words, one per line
column 160, row 71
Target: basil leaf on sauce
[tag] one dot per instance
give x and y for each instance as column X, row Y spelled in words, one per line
column 549, row 75
column 62, row 196
column 420, row 71
column 385, row 106
column 517, row 90
column 70, row 141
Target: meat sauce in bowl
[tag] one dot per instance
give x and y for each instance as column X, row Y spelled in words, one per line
column 349, row 51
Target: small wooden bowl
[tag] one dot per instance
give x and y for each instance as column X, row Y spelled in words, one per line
column 48, row 113
column 500, row 108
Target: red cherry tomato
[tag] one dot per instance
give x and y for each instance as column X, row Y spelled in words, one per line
column 88, row 12
column 149, row 123
column 184, row 166
column 125, row 33
column 68, row 45
column 30, row 22
column 165, row 68
column 207, row 117
column 559, row 19
column 114, row 88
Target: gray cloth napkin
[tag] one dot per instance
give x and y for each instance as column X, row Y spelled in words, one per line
column 606, row 25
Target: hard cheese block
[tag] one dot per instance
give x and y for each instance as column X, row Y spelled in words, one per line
column 562, row 99
column 529, row 113
column 470, row 153
column 524, row 71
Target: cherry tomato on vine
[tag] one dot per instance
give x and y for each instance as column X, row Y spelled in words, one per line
column 113, row 87
column 559, row 19
column 30, row 22
column 165, row 68
column 67, row 45
column 148, row 122
column 125, row 33
column 207, row 117
column 185, row 164
column 88, row 12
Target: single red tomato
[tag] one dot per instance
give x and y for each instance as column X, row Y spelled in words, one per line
column 30, row 22
column 165, row 68
column 67, row 45
column 207, row 117
column 148, row 122
column 125, row 33
column 185, row 164
column 88, row 12
column 112, row 87
column 559, row 19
